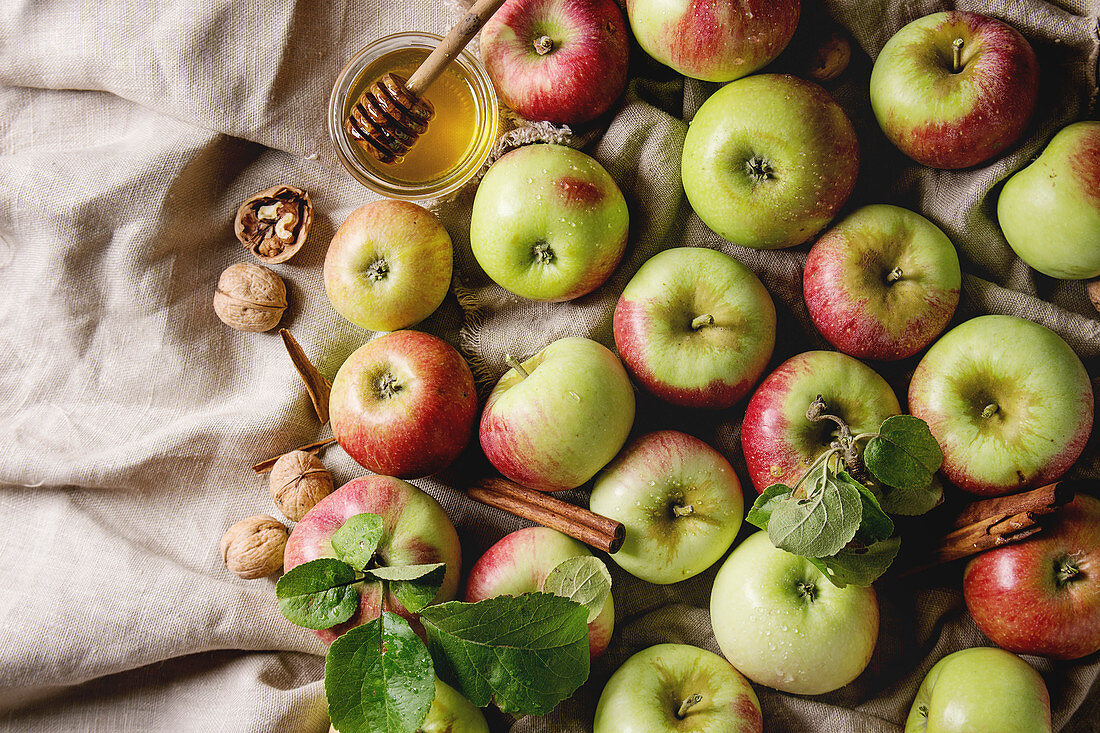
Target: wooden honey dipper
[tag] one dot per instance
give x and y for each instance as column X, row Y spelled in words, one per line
column 392, row 113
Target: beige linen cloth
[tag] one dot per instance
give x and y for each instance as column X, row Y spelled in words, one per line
column 130, row 132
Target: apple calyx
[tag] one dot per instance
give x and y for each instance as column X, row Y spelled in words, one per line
column 543, row 253
column 388, row 386
column 1066, row 572
column 544, row 45
column 758, row 169
column 807, row 590
column 701, row 321
column 956, row 55
column 378, row 270
column 990, row 410
column 845, row 442
column 894, row 275
column 514, row 363
column 682, row 510
column 687, row 704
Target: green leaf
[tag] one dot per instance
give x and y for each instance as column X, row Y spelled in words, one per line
column 904, row 454
column 820, row 524
column 583, row 579
column 761, row 512
column 378, row 678
column 912, row 502
column 358, row 538
column 414, row 586
column 318, row 594
column 526, row 653
column 858, row 566
column 874, row 524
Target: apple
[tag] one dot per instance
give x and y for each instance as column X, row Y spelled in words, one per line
column 779, row 441
column 555, row 421
column 883, row 283
column 980, row 689
column 1050, row 211
column 416, row 531
column 450, row 713
column 388, row 265
column 783, row 624
column 695, row 327
column 1008, row 401
column 520, row 562
column 548, row 223
column 718, row 40
column 769, row 160
column 669, row 688
column 404, row 404
column 1042, row 595
column 679, row 500
column 557, row 60
column 954, row 89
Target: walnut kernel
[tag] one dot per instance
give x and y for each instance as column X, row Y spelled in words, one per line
column 253, row 548
column 250, row 297
column 298, row 481
column 274, row 223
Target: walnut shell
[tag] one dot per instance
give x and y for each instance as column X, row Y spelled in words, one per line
column 274, row 223
column 298, row 481
column 250, row 297
column 253, row 548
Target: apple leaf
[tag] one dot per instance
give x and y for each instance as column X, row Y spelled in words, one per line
column 525, row 653
column 414, row 586
column 904, row 454
column 761, row 512
column 874, row 525
column 858, row 566
column 583, row 579
column 318, row 594
column 912, row 502
column 378, row 678
column 357, row 539
column 821, row 523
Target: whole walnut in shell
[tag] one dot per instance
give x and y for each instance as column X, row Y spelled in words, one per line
column 250, row 297
column 298, row 481
column 253, row 548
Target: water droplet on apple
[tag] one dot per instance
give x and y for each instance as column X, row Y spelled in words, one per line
column 574, row 396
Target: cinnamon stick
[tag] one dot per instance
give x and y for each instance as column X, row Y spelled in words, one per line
column 577, row 522
column 316, row 385
column 266, row 465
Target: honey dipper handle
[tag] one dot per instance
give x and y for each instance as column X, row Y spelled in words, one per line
column 451, row 45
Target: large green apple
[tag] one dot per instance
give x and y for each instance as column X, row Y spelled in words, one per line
column 677, row 688
column 548, row 223
column 1050, row 211
column 1008, row 401
column 769, row 160
column 785, row 625
column 980, row 690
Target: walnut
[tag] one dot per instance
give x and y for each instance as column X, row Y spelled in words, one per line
column 298, row 481
column 273, row 224
column 1093, row 289
column 253, row 547
column 250, row 297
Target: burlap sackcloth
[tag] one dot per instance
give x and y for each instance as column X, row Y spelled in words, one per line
column 130, row 132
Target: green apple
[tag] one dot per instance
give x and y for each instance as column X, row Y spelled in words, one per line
column 1050, row 211
column 769, row 160
column 548, row 223
column 450, row 713
column 981, row 690
column 677, row 688
column 679, row 500
column 783, row 624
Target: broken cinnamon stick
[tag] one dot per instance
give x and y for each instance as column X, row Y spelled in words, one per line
column 316, row 385
column 577, row 522
column 266, row 465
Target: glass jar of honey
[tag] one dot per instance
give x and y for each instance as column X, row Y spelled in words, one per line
column 458, row 139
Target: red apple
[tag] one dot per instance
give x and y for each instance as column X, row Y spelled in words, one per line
column 416, row 531
column 1042, row 595
column 404, row 404
column 558, row 60
column 520, row 562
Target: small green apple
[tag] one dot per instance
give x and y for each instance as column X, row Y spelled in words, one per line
column 450, row 713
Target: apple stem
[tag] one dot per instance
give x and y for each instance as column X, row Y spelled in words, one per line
column 681, row 510
column 688, row 703
column 894, row 275
column 544, row 45
column 990, row 410
column 514, row 363
column 845, row 442
column 956, row 55
column 701, row 321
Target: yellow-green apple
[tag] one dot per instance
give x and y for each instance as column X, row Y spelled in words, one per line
column 1050, row 211
column 404, row 404
column 1042, row 595
column 557, row 60
column 954, row 89
column 695, row 327
column 520, row 562
column 1008, row 401
column 783, row 624
column 450, row 713
column 769, row 160
column 780, row 442
column 679, row 500
column 980, row 689
column 677, row 688
column 388, row 265
column 415, row 531
column 555, row 421
column 548, row 223
column 883, row 283
column 714, row 40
